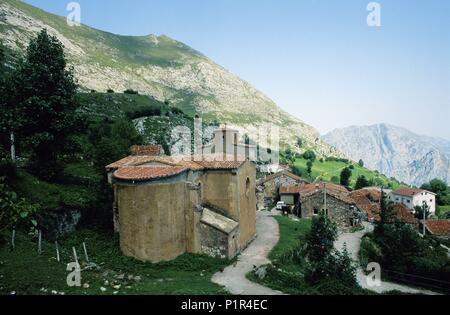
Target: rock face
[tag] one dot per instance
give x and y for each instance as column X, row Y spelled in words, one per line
column 157, row 66
column 395, row 152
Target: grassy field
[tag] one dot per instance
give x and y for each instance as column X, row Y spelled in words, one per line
column 23, row 271
column 326, row 170
column 291, row 233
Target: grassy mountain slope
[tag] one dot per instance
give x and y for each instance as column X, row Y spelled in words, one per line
column 158, row 66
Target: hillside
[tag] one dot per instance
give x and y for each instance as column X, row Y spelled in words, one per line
column 395, row 151
column 158, row 66
column 330, row 170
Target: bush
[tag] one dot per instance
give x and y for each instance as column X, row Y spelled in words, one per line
column 110, row 91
column 309, row 155
column 130, row 91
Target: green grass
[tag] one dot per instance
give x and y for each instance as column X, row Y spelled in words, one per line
column 50, row 195
column 291, row 233
column 25, row 272
column 326, row 170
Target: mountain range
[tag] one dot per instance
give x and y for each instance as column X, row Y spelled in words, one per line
column 395, row 152
column 160, row 67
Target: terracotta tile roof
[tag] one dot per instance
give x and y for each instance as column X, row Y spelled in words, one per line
column 368, row 201
column 137, row 167
column 283, row 173
column 305, row 191
column 137, row 173
column 438, row 227
column 149, row 150
column 402, row 213
column 408, row 192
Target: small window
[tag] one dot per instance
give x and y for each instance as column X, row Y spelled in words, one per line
column 431, row 200
column 247, row 187
column 316, row 211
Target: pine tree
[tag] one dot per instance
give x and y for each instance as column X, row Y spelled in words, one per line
column 345, row 177
column 45, row 94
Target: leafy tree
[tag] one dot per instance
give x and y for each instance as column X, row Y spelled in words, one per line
column 420, row 210
column 335, row 180
column 309, row 166
column 299, row 143
column 386, row 215
column 309, row 155
column 345, row 176
column 440, row 188
column 361, row 163
column 45, row 93
column 14, row 211
column 361, row 182
column 325, row 263
column 320, row 239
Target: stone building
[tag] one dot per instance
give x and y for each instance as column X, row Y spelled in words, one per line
column 271, row 184
column 329, row 199
column 166, row 206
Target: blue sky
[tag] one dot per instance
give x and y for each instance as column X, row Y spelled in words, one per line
column 317, row 59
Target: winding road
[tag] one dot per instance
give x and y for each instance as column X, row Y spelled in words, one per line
column 233, row 278
column 353, row 243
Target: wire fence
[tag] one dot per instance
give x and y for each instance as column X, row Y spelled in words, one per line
column 418, row 281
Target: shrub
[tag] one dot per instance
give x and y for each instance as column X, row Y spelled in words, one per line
column 130, row 91
column 110, row 91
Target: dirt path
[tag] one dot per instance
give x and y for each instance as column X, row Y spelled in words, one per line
column 353, row 242
column 255, row 255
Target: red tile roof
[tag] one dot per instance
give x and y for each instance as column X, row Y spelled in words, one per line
column 408, row 192
column 402, row 213
column 438, row 227
column 305, row 191
column 146, row 173
column 368, row 201
column 139, row 167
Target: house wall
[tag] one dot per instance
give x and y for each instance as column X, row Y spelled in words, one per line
column 152, row 221
column 247, row 203
column 417, row 200
column 427, row 197
column 271, row 187
column 219, row 189
column 216, row 243
column 338, row 211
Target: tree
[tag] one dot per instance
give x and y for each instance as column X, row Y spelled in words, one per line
column 345, row 176
column 440, row 188
column 309, row 155
column 420, row 210
column 386, row 215
column 14, row 211
column 320, row 239
column 361, row 163
column 45, row 93
column 309, row 166
column 299, row 143
column 361, row 182
column 325, row 263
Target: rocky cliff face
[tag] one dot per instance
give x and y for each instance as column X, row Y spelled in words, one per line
column 158, row 66
column 395, row 152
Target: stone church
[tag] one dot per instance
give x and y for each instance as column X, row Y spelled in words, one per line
column 165, row 206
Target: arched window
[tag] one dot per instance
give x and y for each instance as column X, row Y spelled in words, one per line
column 247, row 187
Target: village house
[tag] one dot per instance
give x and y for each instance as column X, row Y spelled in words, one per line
column 325, row 198
column 438, row 228
column 165, row 206
column 368, row 201
column 270, row 185
column 412, row 197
